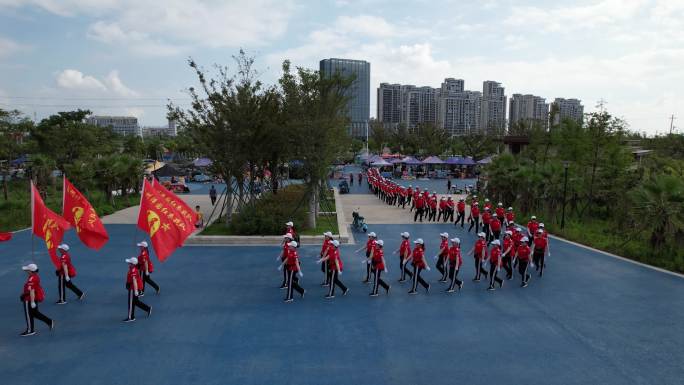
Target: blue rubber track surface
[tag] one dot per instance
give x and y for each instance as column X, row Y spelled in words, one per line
column 220, row 319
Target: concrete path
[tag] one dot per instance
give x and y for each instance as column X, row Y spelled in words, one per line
column 375, row 211
column 130, row 215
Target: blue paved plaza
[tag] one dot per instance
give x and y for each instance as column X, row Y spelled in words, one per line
column 220, row 319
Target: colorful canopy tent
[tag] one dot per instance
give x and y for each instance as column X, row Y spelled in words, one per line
column 455, row 160
column 395, row 160
column 202, row 162
column 468, row 161
column 167, row 171
column 432, row 160
column 411, row 161
column 486, row 160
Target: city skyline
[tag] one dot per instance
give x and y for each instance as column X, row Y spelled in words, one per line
column 127, row 57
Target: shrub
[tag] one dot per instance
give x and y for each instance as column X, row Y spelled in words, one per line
column 267, row 216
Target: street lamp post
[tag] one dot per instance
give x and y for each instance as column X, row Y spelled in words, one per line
column 566, row 164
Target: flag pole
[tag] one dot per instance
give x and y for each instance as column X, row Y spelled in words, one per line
column 63, row 191
column 135, row 225
column 32, row 224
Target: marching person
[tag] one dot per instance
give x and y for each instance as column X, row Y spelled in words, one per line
column 495, row 265
column 532, row 227
column 409, row 195
column 417, row 260
column 508, row 252
column 370, row 246
column 293, row 270
column 460, row 207
column 474, row 218
column 455, row 262
column 450, row 210
column 541, row 245
column 419, row 203
column 442, row 256
column 31, row 296
column 133, row 285
column 325, row 265
column 479, row 252
column 287, row 238
column 523, row 256
column 65, row 274
column 486, row 218
column 404, row 255
column 510, row 216
column 500, row 213
column 146, row 267
column 379, row 266
column 290, row 229
column 442, row 213
column 335, row 262
column 212, row 195
column 494, row 228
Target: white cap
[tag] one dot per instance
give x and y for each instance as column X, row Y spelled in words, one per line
column 496, row 242
column 480, row 234
column 288, row 235
column 442, row 198
column 476, row 203
column 533, row 217
column 540, row 231
column 525, row 239
column 455, row 240
column 518, row 229
column 380, row 242
column 30, row 267
column 509, row 232
column 445, row 235
column 419, row 241
column 292, row 244
column 132, row 260
column 142, row 244
column 336, row 243
column 405, row 234
column 410, row 185
column 510, row 208
column 461, row 199
column 486, row 208
column 499, row 204
column 328, row 234
column 486, row 199
column 511, row 222
column 289, row 223
column 372, row 234
column 434, row 192
column 474, row 196
column 64, row 247
column 541, row 225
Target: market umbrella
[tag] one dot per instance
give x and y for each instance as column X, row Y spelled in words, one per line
column 154, row 166
column 202, row 162
column 432, row 160
column 486, row 160
column 167, row 171
column 411, row 161
column 467, row 161
column 453, row 160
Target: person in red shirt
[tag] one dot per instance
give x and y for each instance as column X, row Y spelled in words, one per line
column 474, row 217
column 370, row 247
column 432, row 202
column 460, row 208
column 31, row 296
column 294, row 271
column 333, row 259
column 420, row 207
column 325, row 266
column 442, row 213
column 449, row 210
column 65, row 275
column 409, row 194
column 416, row 194
column 510, row 216
column 441, row 265
column 290, row 229
column 419, row 264
column 523, row 255
column 508, row 252
column 532, row 227
column 379, row 266
column 455, row 262
column 495, row 265
column 540, row 249
column 487, row 204
column 404, row 255
column 479, row 252
column 287, row 238
column 134, row 285
column 486, row 218
column 500, row 212
column 495, row 228
column 146, row 268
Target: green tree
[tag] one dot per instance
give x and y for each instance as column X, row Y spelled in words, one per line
column 432, row 139
column 658, row 207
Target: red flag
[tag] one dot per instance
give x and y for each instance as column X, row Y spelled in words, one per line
column 5, row 237
column 162, row 222
column 188, row 215
column 46, row 224
column 81, row 214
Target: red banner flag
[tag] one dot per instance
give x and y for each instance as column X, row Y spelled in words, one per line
column 5, row 237
column 166, row 227
column 188, row 215
column 81, row 214
column 46, row 224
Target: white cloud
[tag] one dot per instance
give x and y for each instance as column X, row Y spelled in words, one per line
column 8, row 47
column 64, row 7
column 76, row 80
column 116, row 86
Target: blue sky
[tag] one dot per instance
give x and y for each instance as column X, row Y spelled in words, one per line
column 128, row 56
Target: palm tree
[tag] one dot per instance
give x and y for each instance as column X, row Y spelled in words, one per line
column 658, row 205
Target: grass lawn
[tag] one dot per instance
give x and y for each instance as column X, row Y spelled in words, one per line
column 324, row 223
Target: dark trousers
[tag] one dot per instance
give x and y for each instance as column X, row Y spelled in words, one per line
column 62, row 284
column 539, row 256
column 496, row 234
column 147, row 278
column 419, row 211
column 453, row 274
column 408, row 199
column 325, row 269
column 31, row 314
column 418, row 279
column 441, row 266
column 284, row 284
column 377, row 281
column 213, row 199
column 522, row 269
column 460, row 218
column 133, row 302
column 494, row 276
column 479, row 270
column 368, row 268
column 485, row 229
column 335, row 281
column 440, row 214
column 293, row 284
column 506, row 263
column 449, row 215
column 474, row 221
column 433, row 214
column 404, row 271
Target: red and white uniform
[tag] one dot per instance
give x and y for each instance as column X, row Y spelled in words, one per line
column 377, row 259
column 418, row 257
column 460, row 206
column 480, row 249
column 291, row 260
column 495, row 224
column 495, row 255
column 523, row 252
column 65, row 258
column 444, row 248
column 532, row 227
column 404, row 248
column 145, row 256
column 540, row 243
column 474, row 211
column 455, row 256
column 508, row 242
column 33, row 283
column 133, row 274
column 334, row 257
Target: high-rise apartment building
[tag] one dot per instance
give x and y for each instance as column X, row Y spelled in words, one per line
column 389, row 104
column 493, row 110
column 419, row 105
column 124, row 125
column 459, row 112
column 528, row 109
column 358, row 107
column 567, row 108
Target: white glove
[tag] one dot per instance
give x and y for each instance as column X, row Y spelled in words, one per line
column 135, row 293
column 531, row 264
column 549, row 254
column 435, row 257
column 33, row 305
column 66, row 278
column 278, row 258
column 280, row 267
column 339, row 273
column 300, row 274
column 319, row 261
column 427, row 268
column 385, row 270
column 147, row 274
column 498, row 268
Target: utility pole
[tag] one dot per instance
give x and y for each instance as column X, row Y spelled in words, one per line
column 672, row 119
column 601, row 105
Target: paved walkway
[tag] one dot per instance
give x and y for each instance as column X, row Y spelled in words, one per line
column 375, row 211
column 130, row 215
